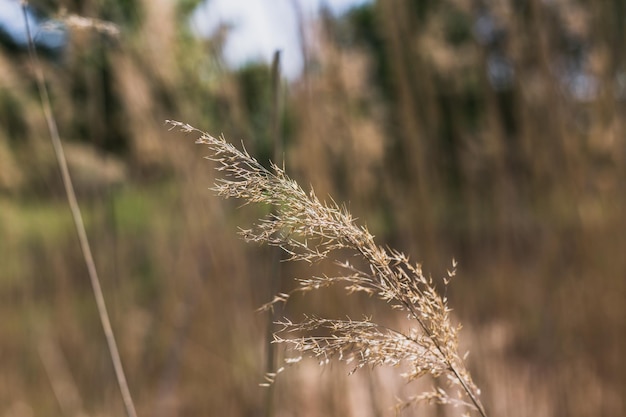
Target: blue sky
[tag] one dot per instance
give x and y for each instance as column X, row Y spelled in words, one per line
column 12, row 20
column 12, row 23
column 262, row 26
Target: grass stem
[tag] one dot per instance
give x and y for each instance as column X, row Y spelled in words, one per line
column 78, row 221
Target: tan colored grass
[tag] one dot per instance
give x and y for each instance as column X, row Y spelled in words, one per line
column 310, row 230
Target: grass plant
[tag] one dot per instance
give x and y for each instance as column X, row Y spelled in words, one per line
column 78, row 222
column 310, row 230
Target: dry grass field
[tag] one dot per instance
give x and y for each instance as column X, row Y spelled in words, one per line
column 490, row 135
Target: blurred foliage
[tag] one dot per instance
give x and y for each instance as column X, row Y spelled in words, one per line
column 491, row 132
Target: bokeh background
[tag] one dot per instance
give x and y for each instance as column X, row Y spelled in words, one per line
column 491, row 132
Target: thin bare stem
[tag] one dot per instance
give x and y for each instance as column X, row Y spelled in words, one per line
column 276, row 278
column 78, row 221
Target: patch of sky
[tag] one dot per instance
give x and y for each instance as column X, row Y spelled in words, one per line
column 257, row 28
column 46, row 33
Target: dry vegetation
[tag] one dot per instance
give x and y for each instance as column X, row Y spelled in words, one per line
column 311, row 231
column 499, row 145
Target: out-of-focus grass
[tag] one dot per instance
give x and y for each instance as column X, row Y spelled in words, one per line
column 398, row 118
column 22, row 225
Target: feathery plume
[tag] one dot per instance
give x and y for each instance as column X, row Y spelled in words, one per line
column 310, row 230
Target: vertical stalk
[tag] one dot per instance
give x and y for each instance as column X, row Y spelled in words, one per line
column 275, row 279
column 78, row 221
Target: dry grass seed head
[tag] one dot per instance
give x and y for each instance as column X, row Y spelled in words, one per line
column 310, row 230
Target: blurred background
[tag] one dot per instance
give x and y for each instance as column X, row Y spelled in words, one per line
column 491, row 132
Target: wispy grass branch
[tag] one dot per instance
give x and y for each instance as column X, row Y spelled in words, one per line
column 310, row 230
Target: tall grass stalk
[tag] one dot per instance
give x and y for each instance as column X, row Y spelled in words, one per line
column 275, row 283
column 78, row 222
column 310, row 230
